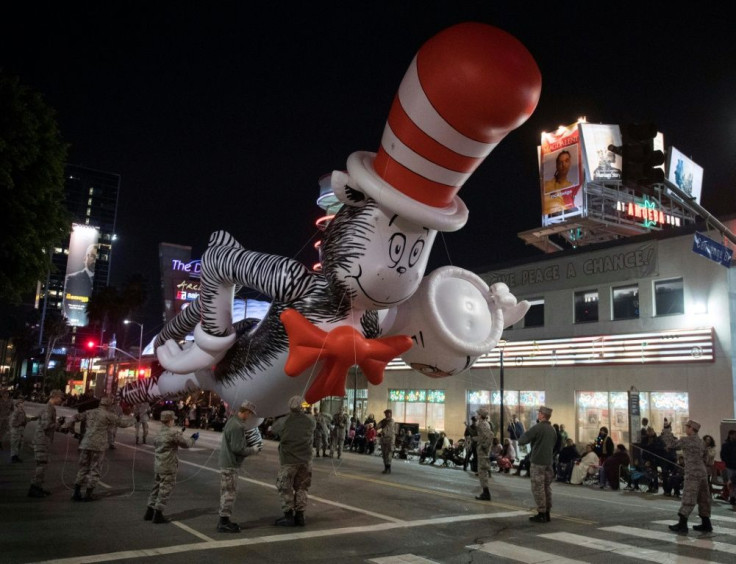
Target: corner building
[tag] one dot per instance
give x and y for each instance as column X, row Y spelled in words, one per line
column 645, row 315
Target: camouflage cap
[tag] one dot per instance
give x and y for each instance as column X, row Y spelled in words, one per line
column 295, row 403
column 56, row 393
column 693, row 424
column 106, row 401
column 167, row 416
column 482, row 412
column 545, row 410
column 248, row 406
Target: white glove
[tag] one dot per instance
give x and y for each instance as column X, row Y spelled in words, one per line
column 206, row 351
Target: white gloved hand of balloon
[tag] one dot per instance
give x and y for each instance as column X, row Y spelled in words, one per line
column 500, row 297
column 206, row 351
column 453, row 318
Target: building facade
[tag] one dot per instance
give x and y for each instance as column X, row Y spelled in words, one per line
column 92, row 200
column 644, row 317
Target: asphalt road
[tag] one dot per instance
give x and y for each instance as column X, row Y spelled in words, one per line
column 418, row 514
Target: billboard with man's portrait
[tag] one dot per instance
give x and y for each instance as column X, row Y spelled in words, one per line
column 80, row 272
column 561, row 172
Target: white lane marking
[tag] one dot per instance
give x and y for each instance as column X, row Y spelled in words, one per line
column 716, row 530
column 188, row 529
column 723, row 518
column 232, row 543
column 621, row 549
column 680, row 540
column 104, row 485
column 402, row 559
column 520, row 553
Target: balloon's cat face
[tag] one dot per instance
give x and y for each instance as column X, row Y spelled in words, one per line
column 376, row 258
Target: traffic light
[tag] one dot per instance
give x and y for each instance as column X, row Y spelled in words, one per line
column 640, row 162
column 91, row 345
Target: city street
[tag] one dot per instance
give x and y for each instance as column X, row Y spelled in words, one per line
column 418, row 513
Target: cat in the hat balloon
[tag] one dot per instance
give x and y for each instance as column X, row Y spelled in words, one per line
column 466, row 88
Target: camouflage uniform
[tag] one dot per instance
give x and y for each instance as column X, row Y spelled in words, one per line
column 234, row 448
column 295, row 432
column 485, row 440
column 6, row 408
column 113, row 431
column 542, row 437
column 141, row 411
column 696, row 489
column 166, row 464
column 388, row 438
column 18, row 422
column 42, row 438
column 92, row 447
column 340, row 422
column 321, row 433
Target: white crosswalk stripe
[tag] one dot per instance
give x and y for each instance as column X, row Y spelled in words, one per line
column 521, row 553
column 620, row 549
column 716, row 530
column 681, row 540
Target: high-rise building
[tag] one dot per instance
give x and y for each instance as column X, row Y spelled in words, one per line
column 92, row 199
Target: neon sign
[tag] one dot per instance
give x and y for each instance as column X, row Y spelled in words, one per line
column 193, row 267
column 648, row 213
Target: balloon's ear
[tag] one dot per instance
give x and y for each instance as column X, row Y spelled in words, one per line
column 344, row 192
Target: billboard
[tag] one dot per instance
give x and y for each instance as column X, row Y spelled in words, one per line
column 685, row 174
column 80, row 272
column 561, row 174
column 599, row 163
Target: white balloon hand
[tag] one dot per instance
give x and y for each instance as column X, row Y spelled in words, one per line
column 502, row 298
column 206, row 351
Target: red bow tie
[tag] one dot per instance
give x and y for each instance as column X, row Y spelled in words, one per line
column 339, row 349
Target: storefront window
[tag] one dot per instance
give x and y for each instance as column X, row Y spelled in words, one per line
column 524, row 404
column 610, row 409
column 423, row 407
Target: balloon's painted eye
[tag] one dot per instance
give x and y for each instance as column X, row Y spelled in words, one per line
column 396, row 247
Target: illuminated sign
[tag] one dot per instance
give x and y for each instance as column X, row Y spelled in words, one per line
column 193, row 267
column 648, row 213
column 187, row 290
column 679, row 346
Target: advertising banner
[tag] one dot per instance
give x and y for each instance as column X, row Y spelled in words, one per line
column 561, row 172
column 599, row 163
column 685, row 174
column 80, row 272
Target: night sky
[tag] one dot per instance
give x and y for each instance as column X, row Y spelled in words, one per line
column 223, row 115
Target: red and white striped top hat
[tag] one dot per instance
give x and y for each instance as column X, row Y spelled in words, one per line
column 467, row 87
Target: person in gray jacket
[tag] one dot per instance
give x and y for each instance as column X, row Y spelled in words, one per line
column 238, row 442
column 696, row 488
column 165, row 466
column 94, row 443
column 295, row 432
column 542, row 437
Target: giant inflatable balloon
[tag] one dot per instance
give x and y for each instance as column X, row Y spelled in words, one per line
column 466, row 88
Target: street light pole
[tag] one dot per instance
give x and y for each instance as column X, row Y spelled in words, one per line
column 140, row 344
